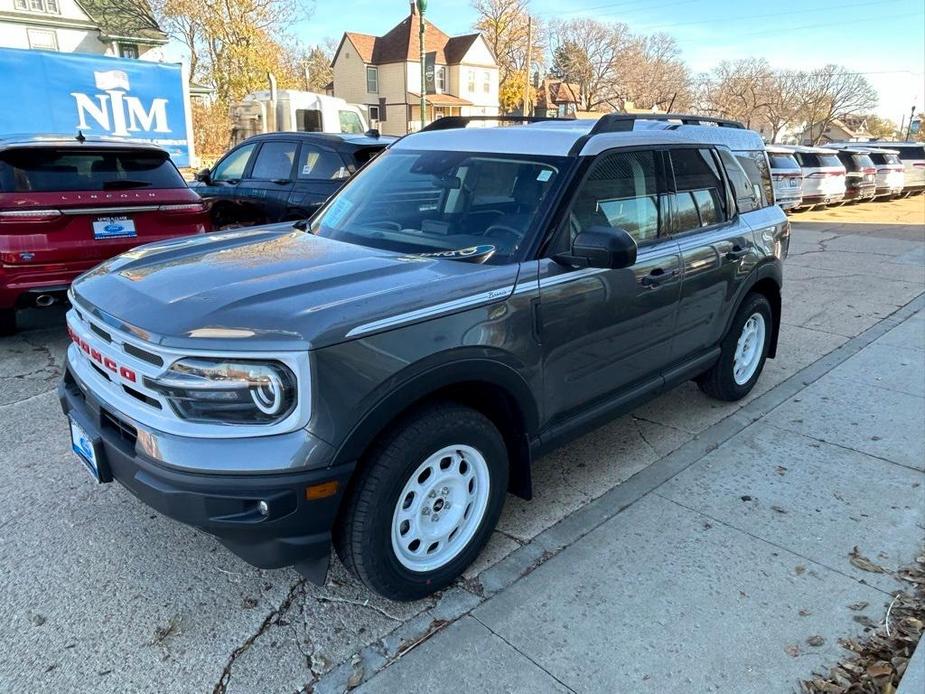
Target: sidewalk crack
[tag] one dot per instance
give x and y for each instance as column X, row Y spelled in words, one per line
column 517, row 650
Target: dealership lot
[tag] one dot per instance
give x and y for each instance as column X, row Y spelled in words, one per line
column 104, row 594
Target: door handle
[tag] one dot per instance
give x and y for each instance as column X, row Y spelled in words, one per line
column 737, row 253
column 281, row 181
column 656, row 277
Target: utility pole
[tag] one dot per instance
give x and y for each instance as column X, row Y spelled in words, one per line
column 909, row 127
column 422, row 6
column 527, row 104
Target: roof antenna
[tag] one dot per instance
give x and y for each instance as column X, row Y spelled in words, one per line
column 80, row 137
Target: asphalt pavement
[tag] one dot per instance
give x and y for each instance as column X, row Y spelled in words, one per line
column 675, row 549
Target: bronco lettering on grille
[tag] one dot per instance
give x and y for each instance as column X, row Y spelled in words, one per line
column 95, row 355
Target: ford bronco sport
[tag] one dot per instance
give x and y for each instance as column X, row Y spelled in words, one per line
column 383, row 374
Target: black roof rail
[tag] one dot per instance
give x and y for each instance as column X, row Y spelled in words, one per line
column 454, row 122
column 623, row 122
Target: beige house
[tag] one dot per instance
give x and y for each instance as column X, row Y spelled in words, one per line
column 383, row 73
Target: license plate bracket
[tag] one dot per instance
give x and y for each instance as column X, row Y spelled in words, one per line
column 88, row 447
column 113, row 228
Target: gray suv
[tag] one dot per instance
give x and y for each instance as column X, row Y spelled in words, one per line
column 383, row 374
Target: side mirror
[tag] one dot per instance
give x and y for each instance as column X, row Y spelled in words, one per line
column 603, row 247
column 203, row 175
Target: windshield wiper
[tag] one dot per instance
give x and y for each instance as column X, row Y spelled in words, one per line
column 124, row 183
column 471, row 254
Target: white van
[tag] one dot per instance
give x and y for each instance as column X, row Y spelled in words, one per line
column 294, row 111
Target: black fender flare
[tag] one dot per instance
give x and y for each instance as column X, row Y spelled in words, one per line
column 418, row 382
column 772, row 270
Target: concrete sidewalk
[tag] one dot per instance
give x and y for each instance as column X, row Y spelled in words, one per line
column 712, row 569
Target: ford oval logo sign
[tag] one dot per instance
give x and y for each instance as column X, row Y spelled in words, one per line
column 114, row 228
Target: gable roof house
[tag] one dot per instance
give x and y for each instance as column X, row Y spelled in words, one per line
column 119, row 28
column 383, row 73
column 555, row 98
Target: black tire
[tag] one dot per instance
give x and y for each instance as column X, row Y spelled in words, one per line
column 719, row 382
column 7, row 321
column 363, row 533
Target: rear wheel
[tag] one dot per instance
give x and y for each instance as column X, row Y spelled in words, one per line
column 425, row 502
column 743, row 352
column 7, row 321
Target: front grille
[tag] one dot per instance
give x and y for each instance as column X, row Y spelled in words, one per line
column 102, row 333
column 142, row 354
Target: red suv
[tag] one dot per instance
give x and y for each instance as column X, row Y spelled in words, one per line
column 68, row 204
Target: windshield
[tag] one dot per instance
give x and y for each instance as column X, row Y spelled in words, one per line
column 429, row 201
column 40, row 170
column 883, row 158
column 782, row 161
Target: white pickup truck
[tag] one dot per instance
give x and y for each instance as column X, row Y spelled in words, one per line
column 289, row 110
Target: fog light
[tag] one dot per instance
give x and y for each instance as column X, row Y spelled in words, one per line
column 263, row 507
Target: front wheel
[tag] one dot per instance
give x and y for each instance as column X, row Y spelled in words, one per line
column 743, row 352
column 425, row 502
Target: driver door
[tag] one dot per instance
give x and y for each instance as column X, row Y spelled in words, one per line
column 605, row 332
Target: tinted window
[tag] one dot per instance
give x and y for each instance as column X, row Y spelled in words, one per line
column 274, row 161
column 620, row 191
column 783, row 161
column 308, row 120
column 811, row 160
column 863, row 161
column 46, row 170
column 755, row 165
column 696, row 173
column 316, row 163
column 231, row 168
column 747, row 194
column 915, row 152
column 883, row 159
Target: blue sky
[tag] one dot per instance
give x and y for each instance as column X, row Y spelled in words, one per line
column 883, row 38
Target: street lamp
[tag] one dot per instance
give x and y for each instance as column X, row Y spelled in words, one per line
column 422, row 6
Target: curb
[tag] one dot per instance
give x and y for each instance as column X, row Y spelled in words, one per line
column 913, row 680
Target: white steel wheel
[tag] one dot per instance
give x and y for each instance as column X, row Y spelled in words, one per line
column 440, row 508
column 749, row 349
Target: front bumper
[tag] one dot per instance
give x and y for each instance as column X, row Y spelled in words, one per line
column 295, row 530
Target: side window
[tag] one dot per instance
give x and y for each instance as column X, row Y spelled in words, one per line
column 700, row 200
column 755, row 165
column 316, row 163
column 274, row 161
column 621, row 191
column 350, row 123
column 747, row 194
column 232, row 167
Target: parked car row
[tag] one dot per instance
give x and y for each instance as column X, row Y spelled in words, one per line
column 843, row 172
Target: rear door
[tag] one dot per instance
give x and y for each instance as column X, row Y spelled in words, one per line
column 268, row 184
column 717, row 246
column 87, row 204
column 605, row 331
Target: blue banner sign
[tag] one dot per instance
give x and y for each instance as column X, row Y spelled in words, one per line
column 61, row 93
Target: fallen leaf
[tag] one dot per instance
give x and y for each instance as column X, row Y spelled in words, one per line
column 805, row 613
column 793, row 650
column 863, row 563
column 865, row 620
column 815, row 640
column 799, row 569
column 880, row 669
column 858, row 606
column 778, row 509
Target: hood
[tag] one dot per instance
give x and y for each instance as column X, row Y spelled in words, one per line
column 275, row 287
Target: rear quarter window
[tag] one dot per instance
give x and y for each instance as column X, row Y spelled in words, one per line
column 783, row 161
column 49, row 170
column 755, row 165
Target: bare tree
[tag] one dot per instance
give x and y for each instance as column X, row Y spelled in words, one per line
column 740, row 90
column 657, row 77
column 784, row 101
column 593, row 55
column 830, row 92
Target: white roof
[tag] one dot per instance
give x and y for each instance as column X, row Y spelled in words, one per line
column 558, row 137
column 806, row 150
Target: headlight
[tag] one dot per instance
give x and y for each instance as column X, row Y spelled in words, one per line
column 231, row 392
